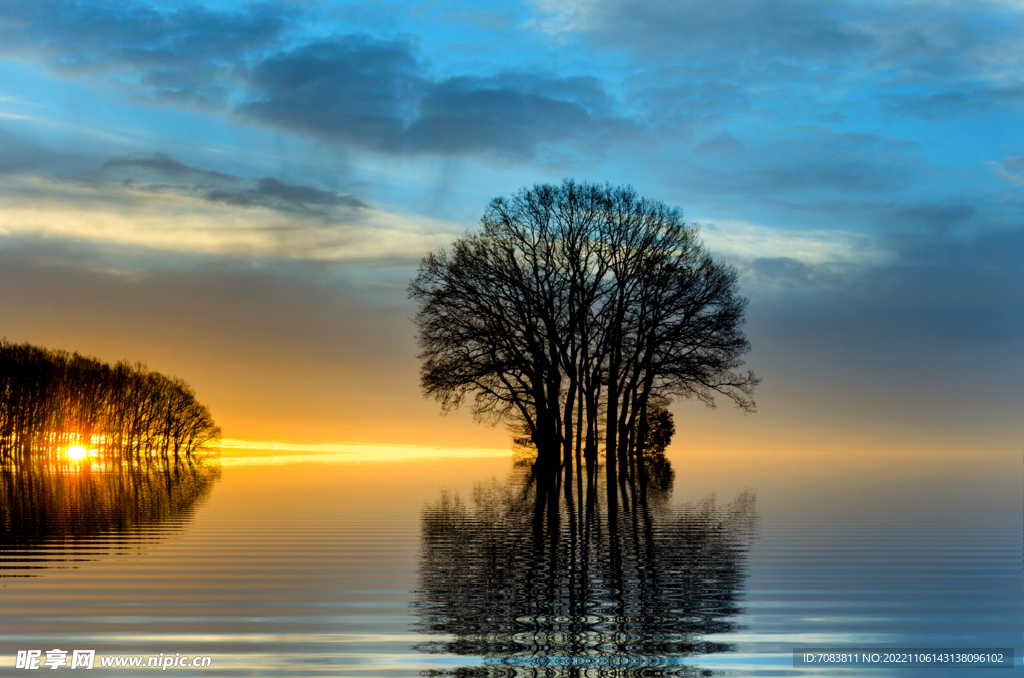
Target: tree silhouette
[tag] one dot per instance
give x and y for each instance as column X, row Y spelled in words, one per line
column 574, row 310
column 51, row 401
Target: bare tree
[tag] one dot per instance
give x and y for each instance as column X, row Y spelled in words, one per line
column 570, row 310
column 52, row 400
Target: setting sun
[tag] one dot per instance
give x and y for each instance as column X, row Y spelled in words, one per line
column 77, row 452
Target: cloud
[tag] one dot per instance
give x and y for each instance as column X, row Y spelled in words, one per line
column 929, row 340
column 748, row 31
column 771, row 59
column 722, row 143
column 802, row 160
column 905, row 290
column 160, row 169
column 355, row 89
column 1010, row 168
column 961, row 292
column 22, row 155
column 269, row 192
column 770, row 259
column 372, row 94
column 514, row 113
column 965, row 280
column 767, row 39
column 801, row 176
column 1013, row 164
column 263, row 67
column 149, row 165
column 968, row 100
column 943, row 217
column 183, row 56
column 266, row 219
column 772, row 273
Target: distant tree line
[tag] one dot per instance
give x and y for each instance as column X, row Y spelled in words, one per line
column 123, row 413
column 577, row 313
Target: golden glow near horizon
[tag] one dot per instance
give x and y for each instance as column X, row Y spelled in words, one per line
column 77, row 452
column 236, row 452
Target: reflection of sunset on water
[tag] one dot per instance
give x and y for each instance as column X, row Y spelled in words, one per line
column 288, row 568
column 50, row 501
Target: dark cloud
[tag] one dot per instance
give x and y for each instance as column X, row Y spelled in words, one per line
column 931, row 340
column 513, row 114
column 772, row 39
column 183, row 56
column 269, row 192
column 355, row 90
column 782, row 58
column 223, row 188
column 799, row 175
column 962, row 292
column 372, row 94
column 462, row 116
column 970, row 101
column 803, row 159
column 938, row 216
column 750, row 32
column 967, row 289
column 721, row 143
column 676, row 97
column 149, row 165
column 21, row 155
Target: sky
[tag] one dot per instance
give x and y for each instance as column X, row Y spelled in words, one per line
column 239, row 193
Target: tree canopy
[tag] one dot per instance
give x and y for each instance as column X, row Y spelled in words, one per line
column 52, row 401
column 573, row 312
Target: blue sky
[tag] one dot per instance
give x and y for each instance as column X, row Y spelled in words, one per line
column 274, row 171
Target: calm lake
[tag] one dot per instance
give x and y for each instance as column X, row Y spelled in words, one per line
column 335, row 564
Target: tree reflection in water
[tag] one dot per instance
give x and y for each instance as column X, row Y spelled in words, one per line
column 584, row 578
column 48, row 502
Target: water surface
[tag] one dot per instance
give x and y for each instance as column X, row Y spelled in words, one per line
column 316, row 566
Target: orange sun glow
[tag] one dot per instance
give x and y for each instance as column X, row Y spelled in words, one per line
column 77, row 452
